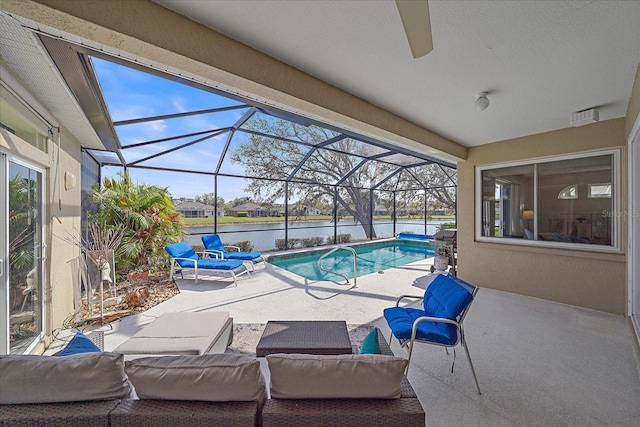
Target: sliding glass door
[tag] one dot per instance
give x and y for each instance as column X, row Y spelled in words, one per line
column 22, row 254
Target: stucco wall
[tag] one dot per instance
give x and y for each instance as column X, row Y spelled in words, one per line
column 633, row 110
column 62, row 219
column 65, row 214
column 587, row 279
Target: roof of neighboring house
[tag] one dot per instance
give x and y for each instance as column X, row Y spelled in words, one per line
column 193, row 206
column 249, row 207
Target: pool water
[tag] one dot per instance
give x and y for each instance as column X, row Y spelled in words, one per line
column 372, row 257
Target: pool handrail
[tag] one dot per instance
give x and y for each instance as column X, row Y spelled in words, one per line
column 355, row 264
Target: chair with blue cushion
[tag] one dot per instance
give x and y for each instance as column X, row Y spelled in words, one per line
column 214, row 245
column 444, row 306
column 182, row 255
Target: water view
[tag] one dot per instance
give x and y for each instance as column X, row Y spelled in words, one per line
column 263, row 236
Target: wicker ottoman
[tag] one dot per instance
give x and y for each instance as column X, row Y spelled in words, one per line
column 307, row 337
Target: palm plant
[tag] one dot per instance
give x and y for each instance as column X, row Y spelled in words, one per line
column 148, row 216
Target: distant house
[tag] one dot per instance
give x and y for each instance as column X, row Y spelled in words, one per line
column 380, row 210
column 254, row 210
column 189, row 209
column 304, row 210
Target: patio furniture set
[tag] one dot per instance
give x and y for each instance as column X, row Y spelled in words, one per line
column 217, row 258
column 170, row 376
column 210, row 389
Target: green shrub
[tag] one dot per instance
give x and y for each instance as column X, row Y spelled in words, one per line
column 446, row 225
column 312, row 242
column 147, row 216
column 281, row 244
column 243, row 214
column 343, row 238
column 244, row 245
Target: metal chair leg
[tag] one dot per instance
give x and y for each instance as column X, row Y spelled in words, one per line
column 411, row 343
column 473, row 371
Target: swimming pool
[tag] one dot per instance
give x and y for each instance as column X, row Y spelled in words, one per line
column 372, row 257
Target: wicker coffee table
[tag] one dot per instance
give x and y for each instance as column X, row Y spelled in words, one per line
column 308, row 337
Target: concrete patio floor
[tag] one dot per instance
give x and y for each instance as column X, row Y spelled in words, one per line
column 538, row 362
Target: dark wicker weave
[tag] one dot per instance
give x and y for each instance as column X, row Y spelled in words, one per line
column 343, row 412
column 404, row 412
column 71, row 414
column 308, row 337
column 179, row 413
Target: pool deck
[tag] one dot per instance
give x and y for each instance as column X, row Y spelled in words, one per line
column 539, row 363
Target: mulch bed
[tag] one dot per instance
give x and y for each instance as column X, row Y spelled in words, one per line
column 130, row 298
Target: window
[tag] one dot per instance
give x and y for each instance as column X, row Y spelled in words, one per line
column 563, row 201
column 600, row 190
column 570, row 192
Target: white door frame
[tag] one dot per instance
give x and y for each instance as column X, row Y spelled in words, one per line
column 4, row 257
column 5, row 158
column 633, row 217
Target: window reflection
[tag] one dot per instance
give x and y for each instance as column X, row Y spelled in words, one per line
column 559, row 201
column 507, row 194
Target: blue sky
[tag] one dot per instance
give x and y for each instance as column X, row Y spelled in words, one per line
column 134, row 94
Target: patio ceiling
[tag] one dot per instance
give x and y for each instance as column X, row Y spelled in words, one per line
column 540, row 61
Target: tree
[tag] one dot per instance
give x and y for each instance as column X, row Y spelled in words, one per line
column 210, row 199
column 22, row 228
column 147, row 214
column 439, row 182
column 315, row 179
column 241, row 201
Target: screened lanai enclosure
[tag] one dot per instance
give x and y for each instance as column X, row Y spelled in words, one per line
column 220, row 155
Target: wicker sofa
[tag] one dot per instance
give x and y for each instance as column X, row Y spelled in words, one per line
column 405, row 411
column 258, row 411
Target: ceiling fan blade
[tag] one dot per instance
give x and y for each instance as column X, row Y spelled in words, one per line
column 417, row 25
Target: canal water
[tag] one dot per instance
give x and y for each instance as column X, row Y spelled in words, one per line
column 263, row 236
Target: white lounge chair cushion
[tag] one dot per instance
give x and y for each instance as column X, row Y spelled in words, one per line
column 179, row 333
column 345, row 376
column 210, row 377
column 48, row 379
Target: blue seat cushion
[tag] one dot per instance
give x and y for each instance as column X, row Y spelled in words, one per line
column 246, row 256
column 212, row 242
column 212, row 264
column 400, row 320
column 80, row 343
column 412, row 236
column 181, row 250
column 447, row 296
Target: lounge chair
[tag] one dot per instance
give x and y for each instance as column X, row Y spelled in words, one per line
column 444, row 306
column 182, row 255
column 213, row 244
